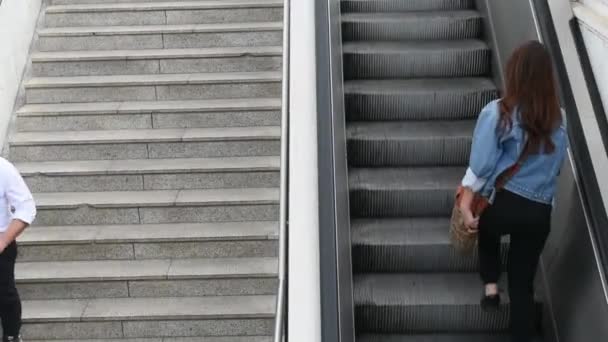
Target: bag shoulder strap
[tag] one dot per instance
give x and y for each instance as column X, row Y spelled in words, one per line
column 504, row 177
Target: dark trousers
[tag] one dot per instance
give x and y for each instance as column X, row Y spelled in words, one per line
column 10, row 304
column 528, row 223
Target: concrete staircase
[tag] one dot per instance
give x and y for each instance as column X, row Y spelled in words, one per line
column 150, row 136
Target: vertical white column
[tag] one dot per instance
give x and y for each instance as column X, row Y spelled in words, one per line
column 304, row 317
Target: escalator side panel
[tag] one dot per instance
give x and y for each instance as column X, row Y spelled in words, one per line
column 576, row 308
column 507, row 24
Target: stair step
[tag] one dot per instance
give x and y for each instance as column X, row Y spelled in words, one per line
column 403, row 192
column 174, row 339
column 149, row 114
column 146, row 278
column 415, row 25
column 408, row 245
column 149, row 241
column 160, row 36
column 151, row 174
column 417, row 99
column 145, row 143
column 149, row 317
column 159, row 13
column 424, row 303
column 158, row 206
column 152, row 87
column 156, row 61
column 409, row 143
column 404, row 6
column 448, row 58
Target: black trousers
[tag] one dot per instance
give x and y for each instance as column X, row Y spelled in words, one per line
column 10, row 304
column 528, row 224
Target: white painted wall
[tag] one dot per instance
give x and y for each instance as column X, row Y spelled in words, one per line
column 593, row 18
column 17, row 25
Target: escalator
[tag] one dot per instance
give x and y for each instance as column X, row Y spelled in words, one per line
column 415, row 76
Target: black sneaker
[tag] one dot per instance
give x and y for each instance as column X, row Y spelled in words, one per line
column 490, row 303
column 12, row 339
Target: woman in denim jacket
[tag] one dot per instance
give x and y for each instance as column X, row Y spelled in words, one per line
column 527, row 117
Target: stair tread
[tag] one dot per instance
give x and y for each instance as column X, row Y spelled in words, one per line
column 185, row 232
column 126, row 309
column 164, row 5
column 152, row 79
column 145, row 135
column 420, row 85
column 149, row 107
column 164, row 269
column 109, row 55
column 159, row 29
column 139, row 166
column 408, row 130
column 173, row 339
column 418, row 289
column 403, row 47
column 417, row 178
column 400, row 17
column 157, row 198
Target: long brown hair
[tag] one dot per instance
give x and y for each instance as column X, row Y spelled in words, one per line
column 530, row 87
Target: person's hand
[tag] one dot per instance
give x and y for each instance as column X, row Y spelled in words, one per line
column 470, row 221
column 3, row 246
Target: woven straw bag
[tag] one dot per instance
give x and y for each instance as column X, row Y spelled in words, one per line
column 462, row 239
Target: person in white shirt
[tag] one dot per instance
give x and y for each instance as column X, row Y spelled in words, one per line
column 17, row 212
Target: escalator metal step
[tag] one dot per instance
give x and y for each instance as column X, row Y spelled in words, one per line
column 411, row 25
column 400, row 5
column 403, row 192
column 409, row 143
column 423, row 302
column 408, row 245
column 443, row 58
column 417, row 99
column 436, row 338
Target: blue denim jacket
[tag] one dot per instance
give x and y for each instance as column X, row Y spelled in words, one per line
column 493, row 151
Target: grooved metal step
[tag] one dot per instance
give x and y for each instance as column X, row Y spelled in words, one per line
column 160, row 36
column 417, row 99
column 403, row 192
column 408, row 245
column 411, row 25
column 438, row 337
column 424, row 303
column 404, row 6
column 413, row 59
column 159, row 13
column 409, row 143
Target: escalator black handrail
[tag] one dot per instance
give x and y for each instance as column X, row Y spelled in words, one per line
column 337, row 322
column 593, row 203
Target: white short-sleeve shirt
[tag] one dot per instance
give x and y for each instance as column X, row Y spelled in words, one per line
column 16, row 201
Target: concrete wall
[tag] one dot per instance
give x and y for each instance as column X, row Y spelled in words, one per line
column 593, row 18
column 17, row 25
